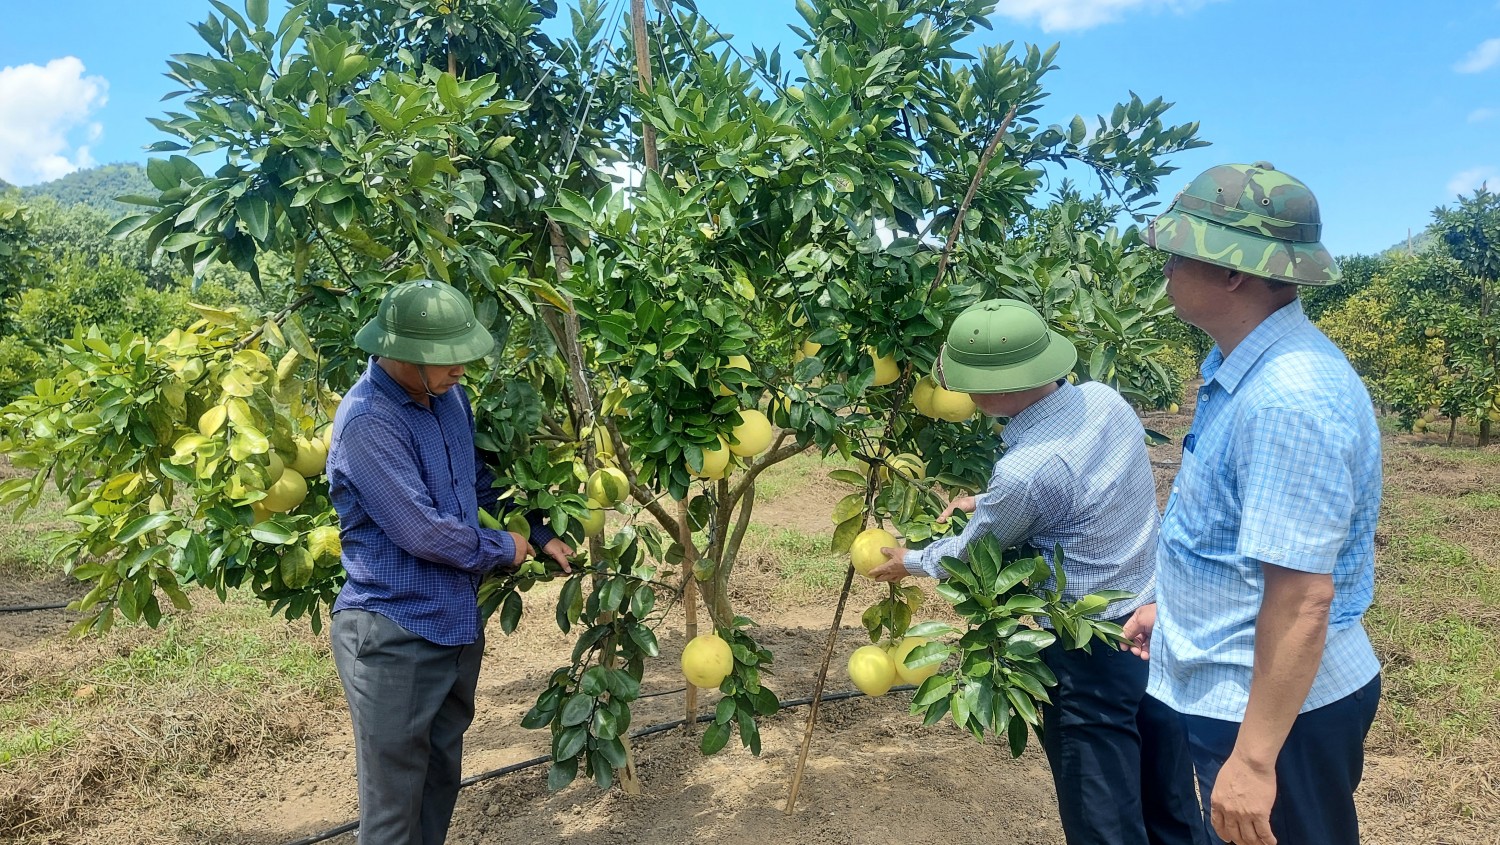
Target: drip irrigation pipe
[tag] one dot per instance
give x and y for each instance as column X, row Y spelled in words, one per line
column 27, row 608
column 643, row 732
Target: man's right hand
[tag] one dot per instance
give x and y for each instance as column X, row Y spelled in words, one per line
column 962, row 503
column 1138, row 629
column 523, row 549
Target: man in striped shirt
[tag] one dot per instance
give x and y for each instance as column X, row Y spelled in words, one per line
column 1074, row 473
column 1267, row 554
column 408, row 485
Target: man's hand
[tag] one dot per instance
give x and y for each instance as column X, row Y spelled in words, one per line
column 1241, row 803
column 962, row 503
column 560, row 552
column 894, row 568
column 523, row 549
column 1138, row 630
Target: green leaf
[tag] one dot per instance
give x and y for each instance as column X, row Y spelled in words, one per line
column 848, row 476
column 141, row 525
column 510, row 612
column 274, row 532
column 714, row 738
column 562, row 773
column 844, row 534
column 576, row 710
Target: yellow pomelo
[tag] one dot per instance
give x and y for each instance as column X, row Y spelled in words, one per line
column 707, row 661
column 872, row 670
column 593, row 524
column 931, row 400
column 734, row 362
column 864, row 552
column 781, row 410
column 312, row 456
column 287, row 493
column 715, row 462
column 906, row 463
column 753, row 434
column 275, row 468
column 608, row 487
column 1173, row 408
column 898, row 655
column 886, row 369
column 807, row 350
column 260, row 512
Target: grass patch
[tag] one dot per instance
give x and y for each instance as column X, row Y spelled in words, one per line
column 140, row 711
column 804, row 564
column 1436, row 619
column 794, row 474
column 25, row 542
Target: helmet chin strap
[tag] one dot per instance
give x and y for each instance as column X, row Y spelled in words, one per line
column 422, row 374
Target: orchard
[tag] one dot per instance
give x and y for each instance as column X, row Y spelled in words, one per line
column 696, row 262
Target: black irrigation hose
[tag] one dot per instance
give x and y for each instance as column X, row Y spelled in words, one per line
column 643, row 732
column 26, row 608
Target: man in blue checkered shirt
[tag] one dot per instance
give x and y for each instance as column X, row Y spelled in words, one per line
column 408, row 485
column 1266, row 562
column 1074, row 473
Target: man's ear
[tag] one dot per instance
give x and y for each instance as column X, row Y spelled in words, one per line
column 1236, row 280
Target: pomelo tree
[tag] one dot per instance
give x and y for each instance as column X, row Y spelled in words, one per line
column 794, row 246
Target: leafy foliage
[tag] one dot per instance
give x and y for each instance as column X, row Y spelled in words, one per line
column 1000, row 676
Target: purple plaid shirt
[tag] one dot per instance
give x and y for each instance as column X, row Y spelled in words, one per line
column 407, row 484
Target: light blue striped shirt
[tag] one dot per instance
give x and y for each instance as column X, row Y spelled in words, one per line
column 1282, row 467
column 1075, row 473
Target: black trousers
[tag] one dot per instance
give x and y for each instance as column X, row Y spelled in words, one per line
column 1319, row 768
column 1119, row 757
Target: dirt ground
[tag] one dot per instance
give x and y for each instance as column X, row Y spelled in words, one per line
column 874, row 775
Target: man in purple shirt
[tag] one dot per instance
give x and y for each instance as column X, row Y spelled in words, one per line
column 407, row 484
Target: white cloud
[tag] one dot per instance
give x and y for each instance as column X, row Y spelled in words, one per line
column 1483, row 57
column 1480, row 115
column 1466, row 181
column 41, row 110
column 1083, row 14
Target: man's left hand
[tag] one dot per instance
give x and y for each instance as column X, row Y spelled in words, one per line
column 1241, row 803
column 560, row 552
column 894, row 568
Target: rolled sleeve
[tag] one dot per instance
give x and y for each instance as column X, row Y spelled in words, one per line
column 1005, row 511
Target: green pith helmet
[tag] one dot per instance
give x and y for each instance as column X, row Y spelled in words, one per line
column 1248, row 217
column 425, row 322
column 1002, row 346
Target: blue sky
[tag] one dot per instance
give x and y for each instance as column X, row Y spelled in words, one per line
column 1386, row 109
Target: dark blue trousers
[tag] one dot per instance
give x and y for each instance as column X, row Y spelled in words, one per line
column 1119, row 757
column 1316, row 773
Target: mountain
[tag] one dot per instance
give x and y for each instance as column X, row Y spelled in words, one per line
column 96, row 187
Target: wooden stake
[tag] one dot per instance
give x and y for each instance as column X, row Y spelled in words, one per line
column 643, row 79
column 817, row 698
column 689, row 608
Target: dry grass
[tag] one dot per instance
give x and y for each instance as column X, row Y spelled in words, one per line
column 141, row 716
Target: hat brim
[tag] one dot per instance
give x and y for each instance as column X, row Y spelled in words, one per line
column 448, row 352
column 1181, row 233
column 1054, row 362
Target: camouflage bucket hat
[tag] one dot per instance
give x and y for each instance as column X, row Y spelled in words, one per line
column 425, row 322
column 1248, row 217
column 1002, row 346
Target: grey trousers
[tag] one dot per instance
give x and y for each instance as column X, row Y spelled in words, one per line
column 410, row 701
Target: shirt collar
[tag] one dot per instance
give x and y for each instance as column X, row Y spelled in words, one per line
column 1229, row 372
column 1033, row 416
column 388, row 385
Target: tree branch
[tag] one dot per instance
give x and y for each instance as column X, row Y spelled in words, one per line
column 963, row 207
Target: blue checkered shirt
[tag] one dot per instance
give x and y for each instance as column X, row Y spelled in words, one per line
column 1075, row 473
column 1282, row 467
column 408, row 485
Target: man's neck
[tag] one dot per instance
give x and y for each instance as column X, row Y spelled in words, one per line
column 1236, row 324
column 402, row 374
